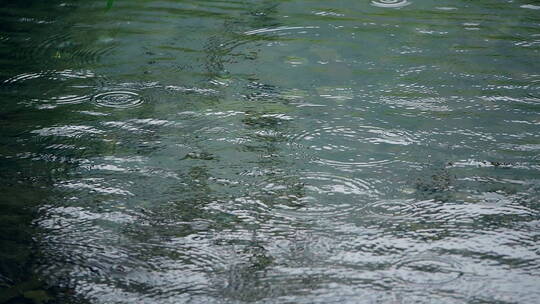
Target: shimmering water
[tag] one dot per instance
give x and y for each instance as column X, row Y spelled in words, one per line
column 270, row 151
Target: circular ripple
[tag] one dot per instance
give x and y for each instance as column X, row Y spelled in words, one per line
column 428, row 269
column 118, row 99
column 328, row 184
column 390, row 3
column 322, row 194
column 63, row 47
column 348, row 148
column 89, row 55
column 44, row 47
column 391, row 209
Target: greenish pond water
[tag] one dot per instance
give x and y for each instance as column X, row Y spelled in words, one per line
column 315, row 151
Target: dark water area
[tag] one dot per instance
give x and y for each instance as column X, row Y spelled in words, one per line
column 379, row 151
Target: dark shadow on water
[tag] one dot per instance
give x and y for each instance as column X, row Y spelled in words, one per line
column 24, row 191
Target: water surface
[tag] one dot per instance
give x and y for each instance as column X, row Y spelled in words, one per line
column 271, row 151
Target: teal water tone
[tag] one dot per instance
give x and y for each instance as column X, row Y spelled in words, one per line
column 383, row 151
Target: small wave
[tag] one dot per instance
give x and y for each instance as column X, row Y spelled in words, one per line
column 390, row 3
column 71, row 99
column 530, row 6
column 279, row 29
column 68, row 131
column 51, row 75
column 391, row 209
column 427, row 269
column 349, row 166
column 25, row 76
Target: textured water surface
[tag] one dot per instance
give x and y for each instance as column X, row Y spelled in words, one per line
column 270, row 151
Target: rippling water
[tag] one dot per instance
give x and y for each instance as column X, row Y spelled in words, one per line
column 270, row 151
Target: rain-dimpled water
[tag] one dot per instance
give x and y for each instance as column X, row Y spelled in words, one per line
column 270, row 151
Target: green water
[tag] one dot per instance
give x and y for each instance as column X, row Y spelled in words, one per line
column 270, row 151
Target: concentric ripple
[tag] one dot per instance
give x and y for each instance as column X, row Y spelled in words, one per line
column 328, row 184
column 427, row 269
column 349, row 148
column 390, row 3
column 279, row 152
column 118, row 99
column 390, row 209
column 34, row 50
column 63, row 47
column 324, row 194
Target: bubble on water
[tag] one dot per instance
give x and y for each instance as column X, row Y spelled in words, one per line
column 118, row 99
column 390, row 3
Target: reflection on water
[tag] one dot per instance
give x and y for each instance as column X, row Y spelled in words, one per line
column 269, row 151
